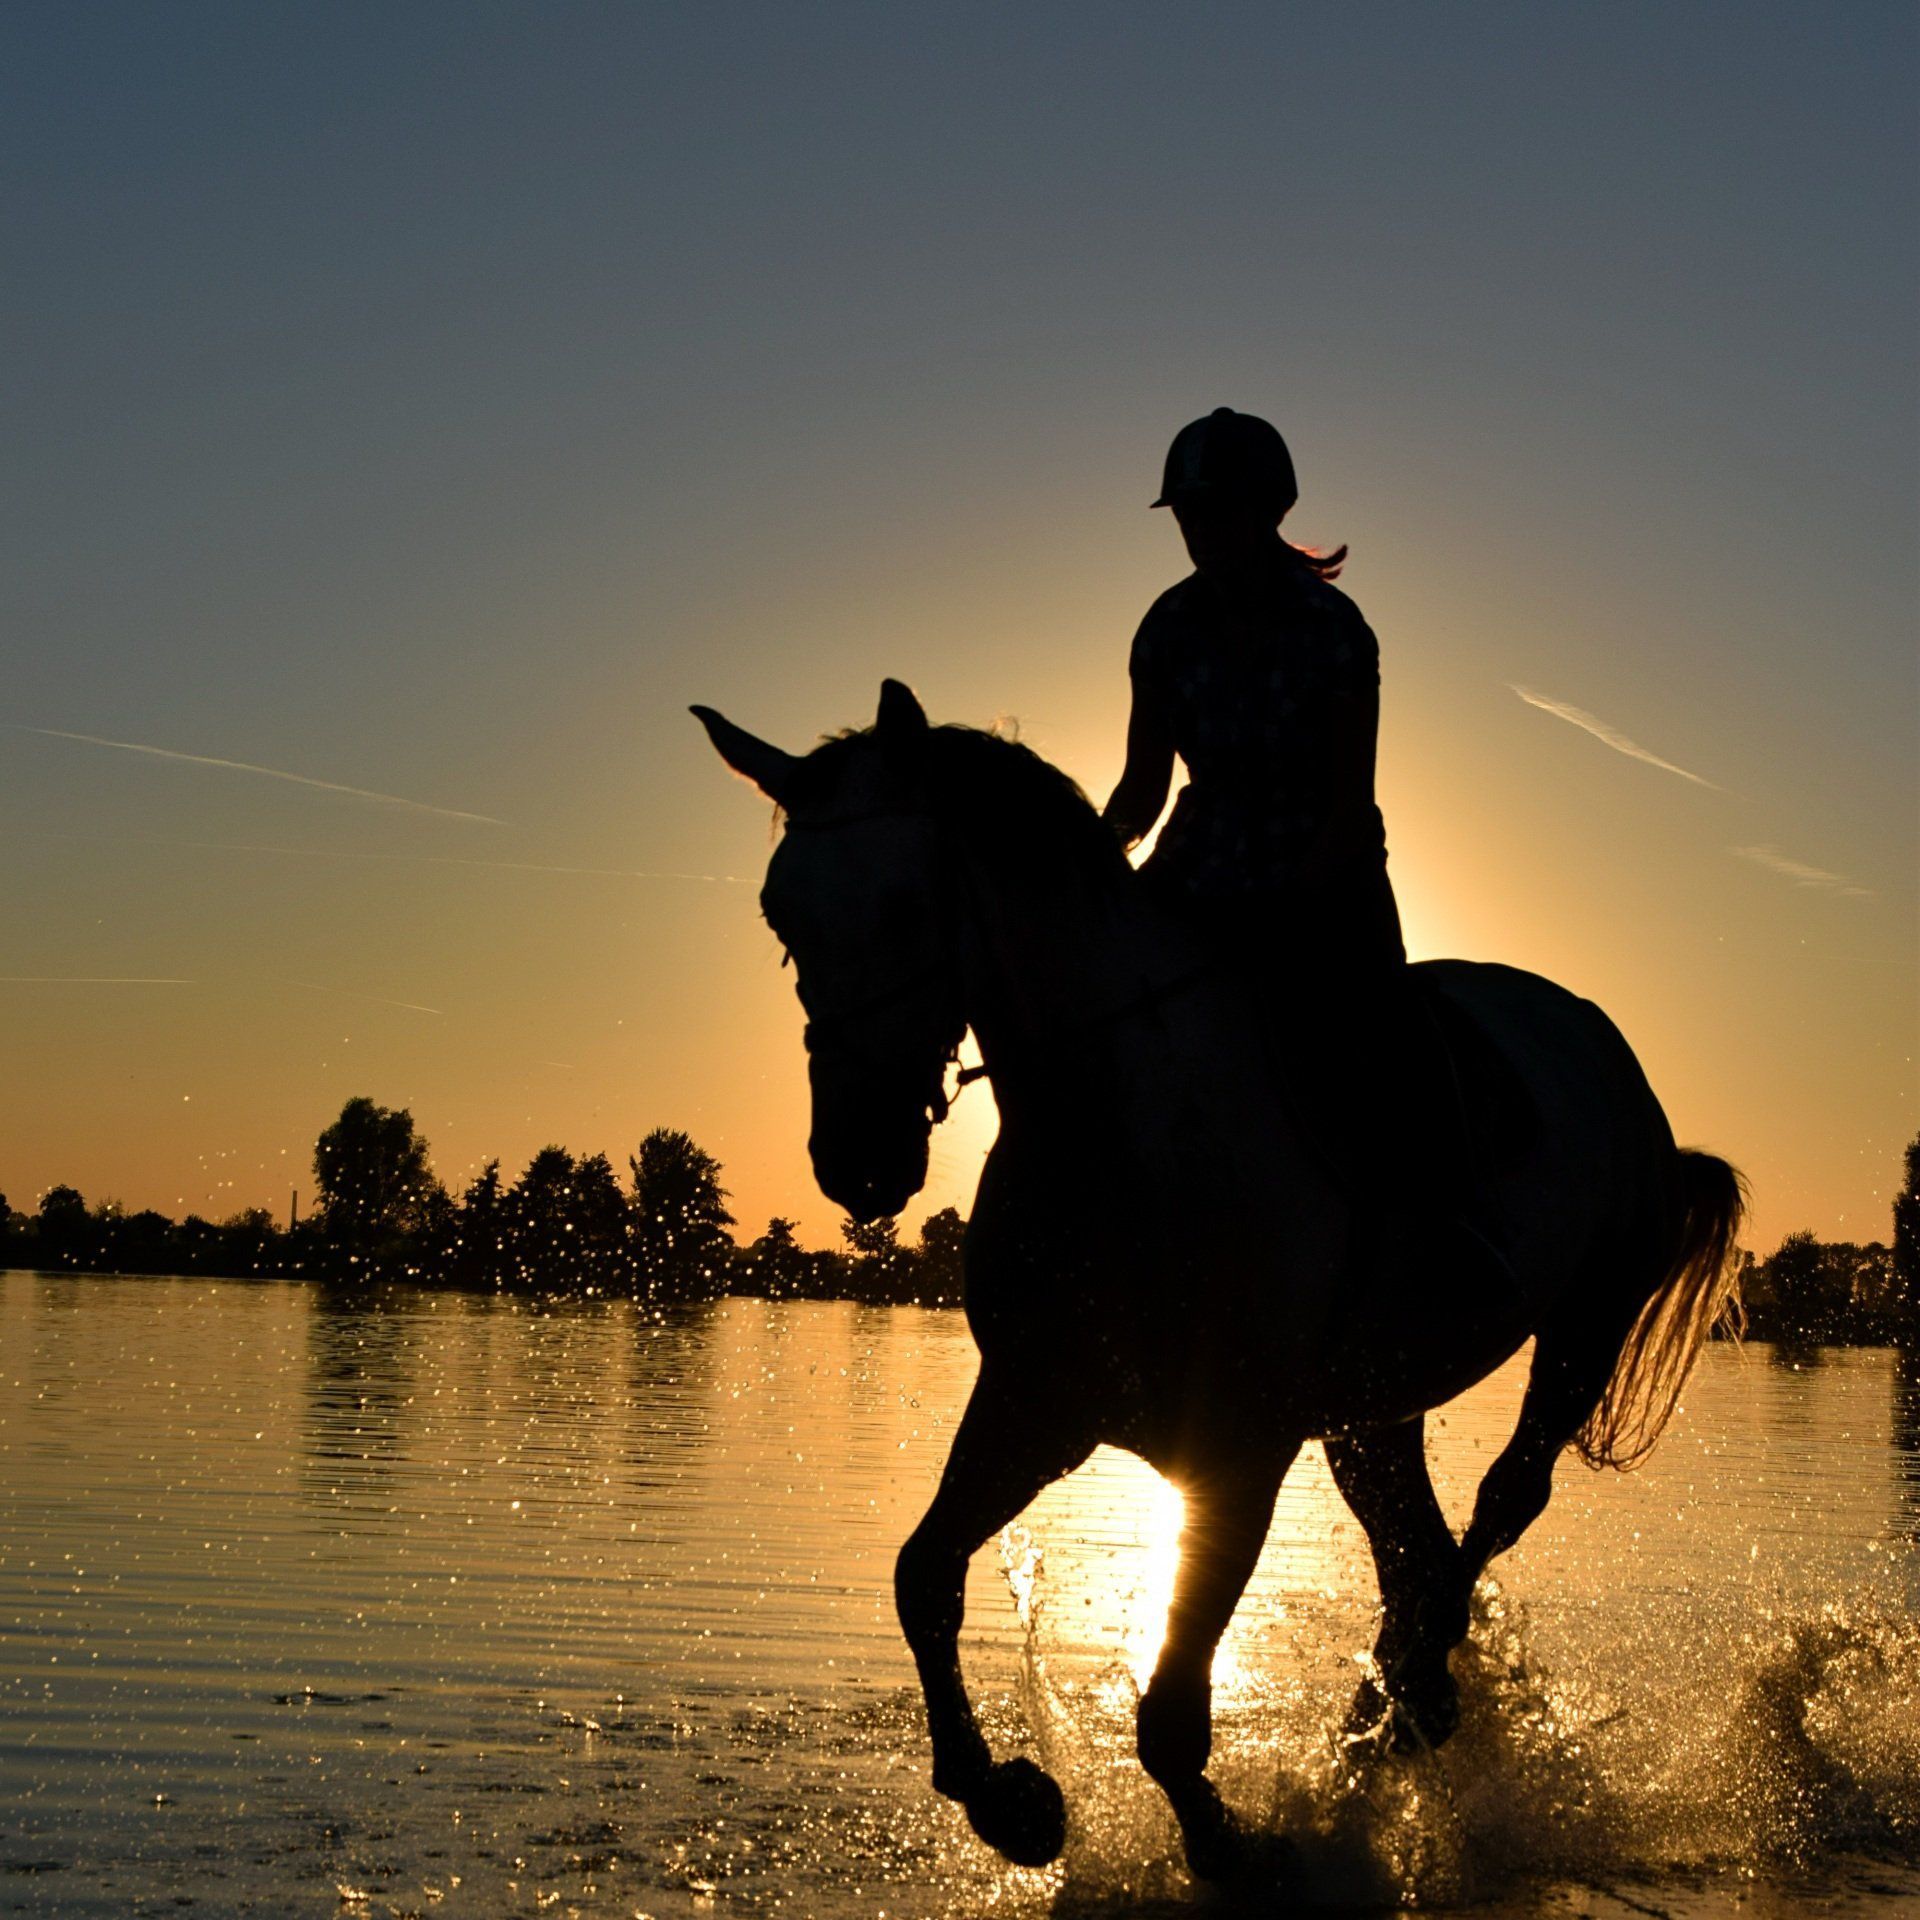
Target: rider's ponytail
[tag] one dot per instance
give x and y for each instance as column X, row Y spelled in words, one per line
column 1326, row 565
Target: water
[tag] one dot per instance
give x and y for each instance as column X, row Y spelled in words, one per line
column 460, row 1606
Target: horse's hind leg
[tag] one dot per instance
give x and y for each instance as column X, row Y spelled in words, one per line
column 1572, row 1363
column 1003, row 1454
column 1382, row 1473
column 1228, row 1512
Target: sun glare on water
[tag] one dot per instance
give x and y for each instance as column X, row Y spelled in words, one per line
column 1093, row 1563
column 1095, row 1566
column 1166, row 1521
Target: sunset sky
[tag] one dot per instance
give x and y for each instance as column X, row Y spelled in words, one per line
column 410, row 410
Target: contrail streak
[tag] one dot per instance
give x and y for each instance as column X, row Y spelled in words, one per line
column 1606, row 735
column 266, row 773
column 416, row 859
column 534, row 866
column 377, row 999
column 91, row 980
column 1800, row 873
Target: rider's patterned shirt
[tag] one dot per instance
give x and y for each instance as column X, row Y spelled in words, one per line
column 1248, row 709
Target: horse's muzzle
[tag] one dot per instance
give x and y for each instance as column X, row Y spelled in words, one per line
column 871, row 1125
column 869, row 1157
column 870, row 1187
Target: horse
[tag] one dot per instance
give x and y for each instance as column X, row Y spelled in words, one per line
column 1163, row 1256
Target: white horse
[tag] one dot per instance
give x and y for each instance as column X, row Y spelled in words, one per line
column 1160, row 1256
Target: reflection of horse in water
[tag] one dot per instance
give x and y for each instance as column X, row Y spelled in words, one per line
column 1159, row 1258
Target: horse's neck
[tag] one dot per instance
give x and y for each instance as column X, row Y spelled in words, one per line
column 1054, row 970
column 1101, row 1021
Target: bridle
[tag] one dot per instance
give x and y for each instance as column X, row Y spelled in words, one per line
column 842, row 1028
column 840, row 1025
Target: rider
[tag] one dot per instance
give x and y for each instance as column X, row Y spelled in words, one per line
column 1262, row 676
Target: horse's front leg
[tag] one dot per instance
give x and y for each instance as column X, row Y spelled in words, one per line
column 1004, row 1453
column 1228, row 1512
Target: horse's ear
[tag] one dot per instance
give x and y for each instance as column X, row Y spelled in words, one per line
column 902, row 720
column 767, row 766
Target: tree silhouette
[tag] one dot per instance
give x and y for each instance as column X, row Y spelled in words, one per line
column 373, row 1176
column 62, row 1209
column 871, row 1239
column 431, row 1253
column 1906, row 1251
column 882, row 1267
column 147, row 1242
column 777, row 1265
column 541, row 1229
column 600, row 1225
column 63, row 1228
column 942, row 1237
column 480, row 1239
column 680, row 1234
column 1795, row 1273
column 1824, row 1292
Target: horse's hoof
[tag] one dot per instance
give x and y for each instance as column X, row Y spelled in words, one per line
column 1414, row 1715
column 1245, row 1861
column 1370, row 1715
column 1425, row 1712
column 1220, row 1850
column 1019, row 1812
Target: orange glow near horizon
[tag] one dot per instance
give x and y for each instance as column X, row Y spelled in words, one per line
column 595, row 1007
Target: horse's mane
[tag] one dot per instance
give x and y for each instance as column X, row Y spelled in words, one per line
column 1017, row 806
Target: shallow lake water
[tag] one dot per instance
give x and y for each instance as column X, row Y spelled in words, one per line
column 448, row 1605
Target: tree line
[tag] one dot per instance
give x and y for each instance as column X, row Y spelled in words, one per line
column 1811, row 1292
column 573, row 1225
column 565, row 1225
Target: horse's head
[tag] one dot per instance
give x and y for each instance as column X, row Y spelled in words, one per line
column 855, row 894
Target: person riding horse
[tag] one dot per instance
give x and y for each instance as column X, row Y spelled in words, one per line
column 1163, row 1254
column 1262, row 676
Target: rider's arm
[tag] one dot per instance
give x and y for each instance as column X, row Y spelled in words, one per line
column 1136, row 802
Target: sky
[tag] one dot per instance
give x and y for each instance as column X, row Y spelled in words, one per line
column 409, row 411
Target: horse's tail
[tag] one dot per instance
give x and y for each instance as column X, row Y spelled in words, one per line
column 1701, row 1291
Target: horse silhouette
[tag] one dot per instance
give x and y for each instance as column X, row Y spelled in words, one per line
column 1162, row 1257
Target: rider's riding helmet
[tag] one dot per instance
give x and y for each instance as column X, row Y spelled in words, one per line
column 1231, row 457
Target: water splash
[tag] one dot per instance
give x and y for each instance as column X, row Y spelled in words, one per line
column 1020, row 1561
column 1764, row 1748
